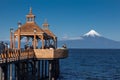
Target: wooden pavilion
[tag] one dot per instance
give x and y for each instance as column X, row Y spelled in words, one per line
column 32, row 62
column 31, row 30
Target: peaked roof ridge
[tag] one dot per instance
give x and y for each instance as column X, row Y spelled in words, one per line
column 29, row 27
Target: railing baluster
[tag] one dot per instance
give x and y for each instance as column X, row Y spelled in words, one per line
column 15, row 55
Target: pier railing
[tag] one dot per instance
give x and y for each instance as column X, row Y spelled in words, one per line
column 13, row 55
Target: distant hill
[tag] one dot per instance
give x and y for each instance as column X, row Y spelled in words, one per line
column 92, row 39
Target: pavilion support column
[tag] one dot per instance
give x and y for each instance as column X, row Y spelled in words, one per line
column 45, row 43
column 14, row 42
column 42, row 42
column 11, row 38
column 34, row 41
column 19, row 39
column 49, row 42
column 55, row 41
column 19, row 31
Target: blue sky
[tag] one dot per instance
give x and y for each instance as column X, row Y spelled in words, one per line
column 70, row 18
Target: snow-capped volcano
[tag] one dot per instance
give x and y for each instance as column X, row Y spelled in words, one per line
column 92, row 33
column 93, row 40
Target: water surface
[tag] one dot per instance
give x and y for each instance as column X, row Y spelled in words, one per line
column 91, row 64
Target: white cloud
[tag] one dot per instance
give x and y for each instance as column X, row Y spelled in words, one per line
column 75, row 38
column 66, row 37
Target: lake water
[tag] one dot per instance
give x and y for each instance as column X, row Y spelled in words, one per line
column 91, row 64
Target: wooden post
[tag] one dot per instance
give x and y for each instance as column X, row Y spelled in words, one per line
column 50, row 70
column 0, row 73
column 36, row 43
column 5, row 71
column 42, row 42
column 34, row 70
column 34, row 40
column 19, row 39
column 11, row 38
column 26, row 70
column 14, row 45
column 39, row 70
column 45, row 68
column 15, row 68
column 55, row 42
column 49, row 42
column 57, row 68
column 54, row 70
column 18, row 71
column 10, row 71
column 42, row 68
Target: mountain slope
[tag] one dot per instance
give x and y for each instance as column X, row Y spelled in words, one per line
column 92, row 39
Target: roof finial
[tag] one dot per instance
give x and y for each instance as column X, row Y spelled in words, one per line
column 19, row 24
column 45, row 25
column 30, row 10
column 45, row 20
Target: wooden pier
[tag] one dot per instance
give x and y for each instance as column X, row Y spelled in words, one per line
column 32, row 62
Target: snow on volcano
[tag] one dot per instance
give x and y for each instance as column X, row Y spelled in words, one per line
column 92, row 33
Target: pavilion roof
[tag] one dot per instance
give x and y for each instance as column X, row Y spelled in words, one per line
column 29, row 29
column 48, row 32
column 46, row 29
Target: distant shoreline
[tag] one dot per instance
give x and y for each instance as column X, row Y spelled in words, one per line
column 95, row 48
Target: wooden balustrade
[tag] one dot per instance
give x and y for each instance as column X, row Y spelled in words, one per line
column 48, row 54
column 15, row 55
